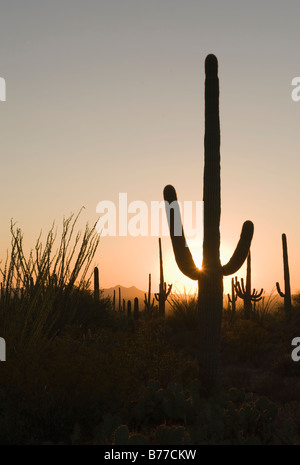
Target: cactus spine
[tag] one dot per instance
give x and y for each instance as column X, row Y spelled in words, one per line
column 148, row 304
column 287, row 287
column 210, row 276
column 245, row 292
column 96, row 284
column 233, row 298
column 163, row 293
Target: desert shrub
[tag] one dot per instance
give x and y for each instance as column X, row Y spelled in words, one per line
column 44, row 292
column 228, row 418
column 183, row 312
column 248, row 341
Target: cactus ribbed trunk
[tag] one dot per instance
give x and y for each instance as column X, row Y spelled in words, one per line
column 211, row 278
column 210, row 303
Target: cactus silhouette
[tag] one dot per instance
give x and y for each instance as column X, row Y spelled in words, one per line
column 163, row 293
column 129, row 309
column 96, row 284
column 149, row 305
column 233, row 298
column 287, row 287
column 120, row 303
column 136, row 312
column 114, row 300
column 210, row 276
column 245, row 292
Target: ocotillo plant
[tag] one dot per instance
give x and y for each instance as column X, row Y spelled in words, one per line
column 233, row 298
column 163, row 293
column 245, row 293
column 149, row 305
column 96, row 284
column 210, row 276
column 287, row 287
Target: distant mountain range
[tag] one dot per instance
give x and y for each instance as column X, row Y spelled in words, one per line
column 127, row 293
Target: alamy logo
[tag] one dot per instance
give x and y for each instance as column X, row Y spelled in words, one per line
column 296, row 352
column 2, row 350
column 2, row 90
column 137, row 219
column 296, row 91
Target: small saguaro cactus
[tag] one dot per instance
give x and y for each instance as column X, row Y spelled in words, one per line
column 245, row 292
column 120, row 303
column 136, row 312
column 96, row 284
column 287, row 287
column 129, row 309
column 210, row 276
column 163, row 293
column 114, row 300
column 233, row 298
column 149, row 305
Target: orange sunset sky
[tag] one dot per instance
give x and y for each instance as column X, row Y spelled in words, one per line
column 105, row 97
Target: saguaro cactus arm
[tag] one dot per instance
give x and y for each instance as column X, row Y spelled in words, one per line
column 282, row 294
column 182, row 253
column 256, row 296
column 241, row 251
column 239, row 288
column 167, row 292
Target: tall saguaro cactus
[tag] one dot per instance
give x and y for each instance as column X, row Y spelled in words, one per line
column 163, row 293
column 245, row 293
column 96, row 284
column 210, row 276
column 287, row 287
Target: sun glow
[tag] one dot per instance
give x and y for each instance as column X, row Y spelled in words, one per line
column 182, row 283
